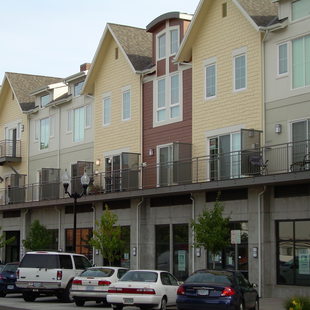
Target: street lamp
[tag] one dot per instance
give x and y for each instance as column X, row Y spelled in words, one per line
column 84, row 181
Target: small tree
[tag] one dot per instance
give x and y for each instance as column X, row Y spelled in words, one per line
column 4, row 242
column 212, row 230
column 107, row 237
column 39, row 238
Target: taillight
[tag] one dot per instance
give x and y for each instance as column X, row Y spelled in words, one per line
column 145, row 290
column 104, row 283
column 17, row 273
column 228, row 291
column 59, row 275
column 77, row 282
column 181, row 290
column 2, row 277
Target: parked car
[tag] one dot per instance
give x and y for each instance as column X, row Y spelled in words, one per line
column 152, row 289
column 49, row 273
column 8, row 279
column 217, row 289
column 93, row 284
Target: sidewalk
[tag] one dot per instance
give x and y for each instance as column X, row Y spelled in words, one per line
column 271, row 304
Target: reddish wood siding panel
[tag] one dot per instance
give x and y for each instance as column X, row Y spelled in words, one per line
column 172, row 66
column 161, row 67
column 176, row 132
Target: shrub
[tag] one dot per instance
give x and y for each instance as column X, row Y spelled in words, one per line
column 297, row 303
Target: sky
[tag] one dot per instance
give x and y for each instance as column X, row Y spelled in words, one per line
column 54, row 38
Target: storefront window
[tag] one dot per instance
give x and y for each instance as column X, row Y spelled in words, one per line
column 293, row 248
column 177, row 242
column 226, row 259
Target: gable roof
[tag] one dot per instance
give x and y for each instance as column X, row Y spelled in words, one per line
column 23, row 84
column 260, row 13
column 134, row 43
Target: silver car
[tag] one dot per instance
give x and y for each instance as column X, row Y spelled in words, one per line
column 93, row 284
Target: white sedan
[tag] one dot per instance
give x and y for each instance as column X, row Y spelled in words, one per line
column 93, row 284
column 147, row 289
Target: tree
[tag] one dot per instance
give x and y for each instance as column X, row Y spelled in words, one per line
column 39, row 238
column 107, row 237
column 212, row 230
column 4, row 242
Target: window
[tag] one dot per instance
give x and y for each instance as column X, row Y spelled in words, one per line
column 174, row 41
column 44, row 133
column 162, row 46
column 293, row 248
column 168, row 104
column 210, row 81
column 78, row 88
column 126, row 105
column 106, row 111
column 224, row 9
column 44, row 100
column 78, row 124
column 282, row 59
column 300, row 139
column 301, row 62
column 69, row 121
column 88, row 116
column 239, row 72
column 300, row 9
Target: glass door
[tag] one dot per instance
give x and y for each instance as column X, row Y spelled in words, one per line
column 165, row 165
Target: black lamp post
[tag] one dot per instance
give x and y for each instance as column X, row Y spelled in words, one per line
column 66, row 181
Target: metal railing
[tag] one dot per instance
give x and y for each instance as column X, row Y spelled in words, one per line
column 268, row 160
column 10, row 148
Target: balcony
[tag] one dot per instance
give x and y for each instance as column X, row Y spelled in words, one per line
column 10, row 151
column 283, row 160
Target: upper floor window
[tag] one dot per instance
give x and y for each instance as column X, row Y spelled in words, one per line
column 44, row 100
column 126, row 109
column 106, row 110
column 168, row 42
column 240, row 72
column 78, row 88
column 44, row 133
column 210, row 79
column 301, row 62
column 300, row 9
column 168, row 99
column 282, row 59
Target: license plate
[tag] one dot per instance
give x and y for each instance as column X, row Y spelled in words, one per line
column 203, row 292
column 89, row 288
column 10, row 287
column 128, row 301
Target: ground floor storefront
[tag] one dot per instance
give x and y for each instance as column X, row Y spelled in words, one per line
column 273, row 223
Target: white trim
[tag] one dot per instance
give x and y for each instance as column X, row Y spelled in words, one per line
column 116, row 152
column 239, row 51
column 287, row 59
column 125, row 90
column 234, row 72
column 104, row 97
column 224, row 130
column 205, row 80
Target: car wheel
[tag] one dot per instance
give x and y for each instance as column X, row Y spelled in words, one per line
column 29, row 297
column 66, row 294
column 2, row 293
column 79, row 302
column 116, row 307
column 163, row 305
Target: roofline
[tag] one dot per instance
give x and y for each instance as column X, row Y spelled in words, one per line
column 246, row 15
column 75, row 76
column 166, row 16
column 47, row 88
column 274, row 27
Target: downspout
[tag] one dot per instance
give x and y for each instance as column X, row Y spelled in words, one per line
column 94, row 227
column 193, row 232
column 59, row 228
column 59, row 130
column 24, row 232
column 259, row 223
column 138, row 232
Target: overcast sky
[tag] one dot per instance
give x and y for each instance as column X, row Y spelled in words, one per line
column 54, row 37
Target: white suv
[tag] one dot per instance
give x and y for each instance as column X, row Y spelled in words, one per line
column 49, row 273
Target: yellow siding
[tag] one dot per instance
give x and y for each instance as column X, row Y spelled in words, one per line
column 219, row 37
column 114, row 74
column 10, row 111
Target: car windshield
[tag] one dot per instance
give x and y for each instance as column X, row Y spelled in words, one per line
column 97, row 272
column 10, row 267
column 140, row 276
column 210, row 277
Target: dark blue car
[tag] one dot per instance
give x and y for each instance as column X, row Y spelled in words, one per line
column 8, row 279
column 217, row 290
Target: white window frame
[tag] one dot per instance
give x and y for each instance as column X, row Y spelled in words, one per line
column 44, row 96
column 170, row 39
column 88, row 116
column 300, row 18
column 208, row 63
column 168, row 105
column 77, row 84
column 161, row 34
column 167, row 33
column 73, row 123
column 125, row 90
column 69, row 121
column 287, row 59
column 239, row 53
column 49, row 136
column 105, row 97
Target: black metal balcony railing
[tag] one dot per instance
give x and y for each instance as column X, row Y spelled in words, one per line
column 10, row 149
column 269, row 160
